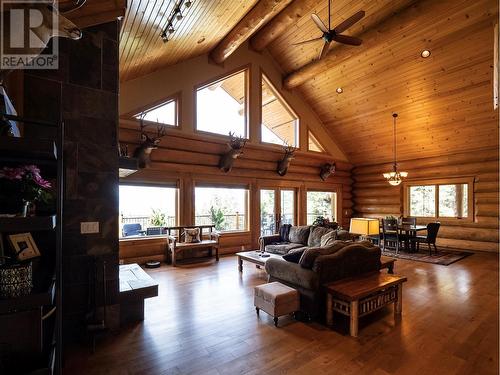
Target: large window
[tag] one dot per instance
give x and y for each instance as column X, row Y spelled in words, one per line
column 226, row 208
column 280, row 124
column 143, row 207
column 221, row 106
column 165, row 113
column 321, row 203
column 447, row 200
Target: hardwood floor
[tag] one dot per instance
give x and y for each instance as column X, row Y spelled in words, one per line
column 204, row 322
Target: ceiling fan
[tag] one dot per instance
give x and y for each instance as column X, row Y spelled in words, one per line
column 334, row 34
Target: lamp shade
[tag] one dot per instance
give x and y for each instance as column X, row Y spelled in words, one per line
column 364, row 226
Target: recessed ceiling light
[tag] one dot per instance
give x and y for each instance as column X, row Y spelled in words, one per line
column 339, row 90
column 425, row 53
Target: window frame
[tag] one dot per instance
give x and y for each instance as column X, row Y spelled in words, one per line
column 173, row 184
column 176, row 98
column 437, row 182
column 284, row 102
column 218, row 185
column 247, row 70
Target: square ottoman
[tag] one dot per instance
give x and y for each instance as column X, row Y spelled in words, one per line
column 276, row 299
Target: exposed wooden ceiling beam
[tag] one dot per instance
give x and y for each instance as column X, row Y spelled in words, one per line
column 390, row 28
column 258, row 16
column 277, row 26
column 95, row 12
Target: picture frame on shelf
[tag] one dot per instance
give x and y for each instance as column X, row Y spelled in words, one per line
column 24, row 246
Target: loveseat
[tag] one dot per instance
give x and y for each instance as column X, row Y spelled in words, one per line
column 308, row 268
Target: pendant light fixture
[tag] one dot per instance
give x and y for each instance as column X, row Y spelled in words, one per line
column 395, row 177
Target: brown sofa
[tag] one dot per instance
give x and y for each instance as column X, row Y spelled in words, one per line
column 321, row 265
column 298, row 238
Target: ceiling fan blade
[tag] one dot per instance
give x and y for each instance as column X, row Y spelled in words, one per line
column 346, row 39
column 319, row 23
column 349, row 22
column 307, row 41
column 324, row 50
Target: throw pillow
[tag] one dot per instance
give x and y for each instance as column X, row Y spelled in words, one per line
column 191, row 235
column 294, row 256
column 284, row 230
column 299, row 234
column 328, row 238
column 316, row 234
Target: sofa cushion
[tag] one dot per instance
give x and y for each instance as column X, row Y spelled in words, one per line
column 328, row 239
column 294, row 255
column 309, row 257
column 282, row 248
column 299, row 234
column 343, row 235
column 315, row 235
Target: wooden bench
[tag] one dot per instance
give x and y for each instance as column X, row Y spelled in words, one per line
column 176, row 244
column 135, row 286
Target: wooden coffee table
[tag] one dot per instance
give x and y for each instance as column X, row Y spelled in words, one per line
column 362, row 295
column 254, row 257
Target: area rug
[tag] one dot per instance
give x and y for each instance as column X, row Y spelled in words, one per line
column 443, row 257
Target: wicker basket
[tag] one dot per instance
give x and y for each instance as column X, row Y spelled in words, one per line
column 16, row 280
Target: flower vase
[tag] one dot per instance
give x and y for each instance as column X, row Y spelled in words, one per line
column 25, row 209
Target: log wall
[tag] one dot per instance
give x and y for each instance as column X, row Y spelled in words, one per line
column 188, row 159
column 374, row 197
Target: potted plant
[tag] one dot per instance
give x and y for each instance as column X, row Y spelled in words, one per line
column 22, row 187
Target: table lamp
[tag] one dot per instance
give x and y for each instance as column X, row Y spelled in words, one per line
column 364, row 226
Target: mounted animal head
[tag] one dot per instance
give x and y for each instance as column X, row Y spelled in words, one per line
column 284, row 163
column 236, row 145
column 327, row 169
column 148, row 144
column 42, row 26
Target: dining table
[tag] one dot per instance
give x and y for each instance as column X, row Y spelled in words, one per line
column 410, row 231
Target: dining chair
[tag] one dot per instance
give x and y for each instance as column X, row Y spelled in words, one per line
column 409, row 221
column 430, row 239
column 390, row 234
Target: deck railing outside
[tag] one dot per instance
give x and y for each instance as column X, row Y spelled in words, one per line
column 231, row 222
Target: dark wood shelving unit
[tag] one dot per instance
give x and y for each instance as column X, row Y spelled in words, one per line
column 27, row 224
column 21, row 149
column 40, row 347
column 30, row 301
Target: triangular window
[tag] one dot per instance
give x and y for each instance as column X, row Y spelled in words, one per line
column 314, row 144
column 280, row 124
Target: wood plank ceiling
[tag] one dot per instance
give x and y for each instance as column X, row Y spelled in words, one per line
column 445, row 102
column 204, row 24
